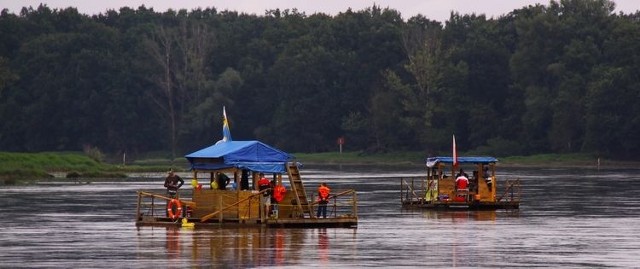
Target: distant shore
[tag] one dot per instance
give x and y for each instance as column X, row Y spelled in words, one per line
column 412, row 158
column 18, row 167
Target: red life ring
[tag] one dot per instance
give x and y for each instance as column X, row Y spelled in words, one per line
column 178, row 212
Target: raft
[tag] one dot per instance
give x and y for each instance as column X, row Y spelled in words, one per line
column 242, row 203
column 440, row 189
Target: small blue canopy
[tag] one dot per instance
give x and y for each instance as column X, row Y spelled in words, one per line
column 432, row 161
column 253, row 155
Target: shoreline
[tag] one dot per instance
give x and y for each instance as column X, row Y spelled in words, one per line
column 24, row 167
column 567, row 164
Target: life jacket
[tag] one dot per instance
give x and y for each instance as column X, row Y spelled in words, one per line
column 323, row 193
column 279, row 192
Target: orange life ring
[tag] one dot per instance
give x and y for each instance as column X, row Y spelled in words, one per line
column 178, row 212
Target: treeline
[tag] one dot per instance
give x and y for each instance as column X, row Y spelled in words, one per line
column 556, row 78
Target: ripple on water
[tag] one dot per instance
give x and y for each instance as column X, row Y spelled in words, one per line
column 568, row 218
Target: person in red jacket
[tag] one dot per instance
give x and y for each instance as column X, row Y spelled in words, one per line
column 462, row 181
column 462, row 187
column 323, row 199
column 265, row 184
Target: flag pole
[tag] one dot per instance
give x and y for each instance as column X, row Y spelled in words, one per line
column 454, row 153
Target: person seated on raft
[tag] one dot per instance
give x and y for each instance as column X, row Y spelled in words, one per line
column 223, row 181
column 462, row 181
column 487, row 177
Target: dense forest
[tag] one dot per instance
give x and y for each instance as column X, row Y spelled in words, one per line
column 556, row 78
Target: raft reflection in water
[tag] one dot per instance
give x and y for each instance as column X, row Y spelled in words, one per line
column 237, row 247
column 465, row 215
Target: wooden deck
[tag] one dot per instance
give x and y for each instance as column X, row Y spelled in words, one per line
column 413, row 196
column 476, row 205
column 338, row 222
column 216, row 208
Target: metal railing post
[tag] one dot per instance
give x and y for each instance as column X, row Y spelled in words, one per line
column 221, row 215
column 354, row 200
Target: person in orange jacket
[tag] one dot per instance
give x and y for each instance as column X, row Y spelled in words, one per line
column 277, row 196
column 323, row 199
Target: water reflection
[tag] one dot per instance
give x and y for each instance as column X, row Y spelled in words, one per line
column 568, row 218
column 461, row 216
column 173, row 244
column 235, row 247
column 323, row 246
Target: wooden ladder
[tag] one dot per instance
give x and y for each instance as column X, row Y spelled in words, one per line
column 298, row 189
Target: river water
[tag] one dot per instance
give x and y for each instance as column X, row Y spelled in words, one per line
column 568, row 218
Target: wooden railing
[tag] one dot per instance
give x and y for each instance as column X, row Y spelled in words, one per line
column 511, row 192
column 343, row 203
column 408, row 191
column 151, row 207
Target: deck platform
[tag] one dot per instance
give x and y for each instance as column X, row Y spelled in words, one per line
column 230, row 208
column 476, row 205
column 448, row 187
column 337, row 222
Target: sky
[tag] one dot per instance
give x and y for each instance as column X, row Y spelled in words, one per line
column 438, row 10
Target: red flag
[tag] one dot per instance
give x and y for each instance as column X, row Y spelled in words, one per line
column 455, row 152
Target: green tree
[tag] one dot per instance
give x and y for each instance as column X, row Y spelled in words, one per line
column 425, row 62
column 387, row 128
column 205, row 116
column 64, row 82
column 476, row 42
column 537, row 48
column 611, row 107
column 178, row 51
column 7, row 76
column 307, row 98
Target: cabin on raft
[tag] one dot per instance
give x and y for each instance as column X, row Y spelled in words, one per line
column 467, row 183
column 224, row 192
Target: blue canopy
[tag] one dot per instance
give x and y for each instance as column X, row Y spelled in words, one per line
column 432, row 161
column 253, row 155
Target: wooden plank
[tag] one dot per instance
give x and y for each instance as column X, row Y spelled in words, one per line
column 185, row 202
column 207, row 217
column 298, row 189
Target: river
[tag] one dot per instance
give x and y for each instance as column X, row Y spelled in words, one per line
column 568, row 218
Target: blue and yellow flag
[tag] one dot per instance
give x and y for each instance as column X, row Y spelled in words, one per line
column 226, row 132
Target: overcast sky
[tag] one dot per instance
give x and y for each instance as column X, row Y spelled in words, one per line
column 433, row 9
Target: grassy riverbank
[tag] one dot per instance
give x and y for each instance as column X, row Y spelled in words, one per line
column 18, row 166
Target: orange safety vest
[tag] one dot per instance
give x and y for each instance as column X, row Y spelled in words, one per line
column 324, row 193
column 279, row 192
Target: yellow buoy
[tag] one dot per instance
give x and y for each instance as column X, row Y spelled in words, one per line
column 187, row 224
